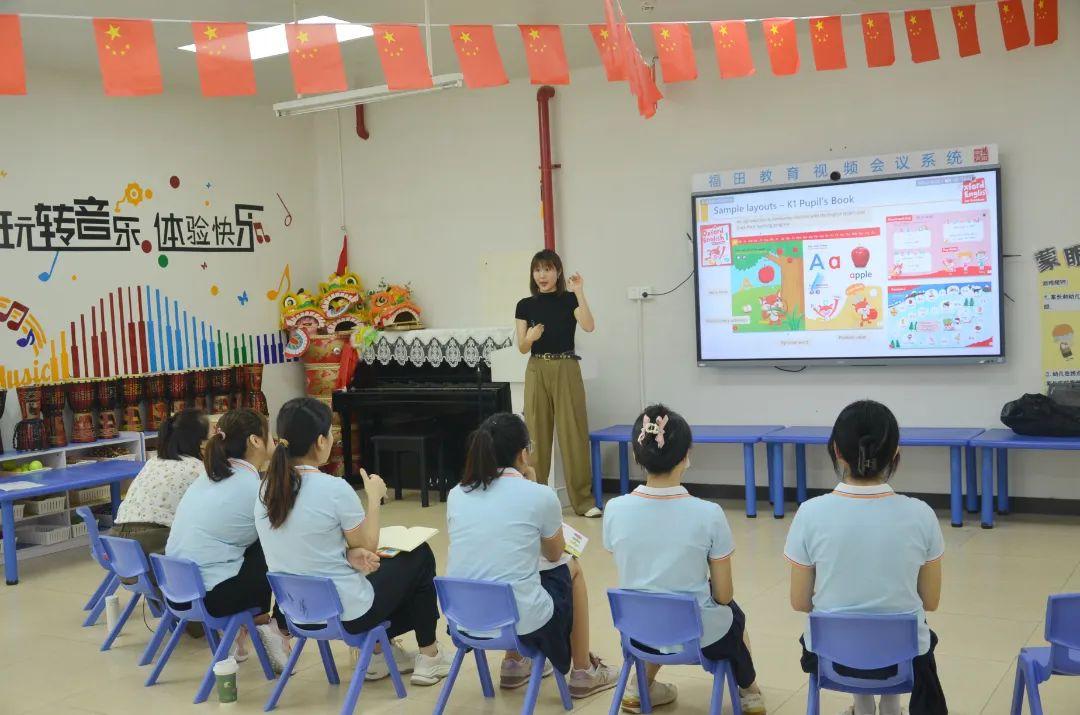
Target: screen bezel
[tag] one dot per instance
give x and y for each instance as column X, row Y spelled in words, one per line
column 998, row 358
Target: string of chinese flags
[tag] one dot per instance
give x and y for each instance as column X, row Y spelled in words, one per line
column 127, row 50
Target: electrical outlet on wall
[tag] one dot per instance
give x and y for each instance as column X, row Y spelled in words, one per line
column 638, row 292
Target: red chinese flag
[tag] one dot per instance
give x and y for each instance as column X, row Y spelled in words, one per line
column 223, row 57
column 403, row 58
column 128, row 56
column 608, row 48
column 1046, row 22
column 732, row 49
column 967, row 34
column 921, row 36
column 827, row 39
column 780, row 39
column 315, row 57
column 478, row 55
column 675, row 49
column 12, row 65
column 1013, row 24
column 545, row 54
column 877, row 37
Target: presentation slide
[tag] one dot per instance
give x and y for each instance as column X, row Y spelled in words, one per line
column 891, row 268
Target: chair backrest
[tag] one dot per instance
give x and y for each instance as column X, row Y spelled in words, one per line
column 475, row 607
column 865, row 642
column 95, row 536
column 182, row 584
column 1063, row 632
column 658, row 620
column 127, row 560
column 311, row 601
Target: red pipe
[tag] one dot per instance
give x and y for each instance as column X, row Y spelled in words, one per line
column 547, row 197
column 361, row 128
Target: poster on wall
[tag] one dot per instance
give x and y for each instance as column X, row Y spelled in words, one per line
column 1059, row 291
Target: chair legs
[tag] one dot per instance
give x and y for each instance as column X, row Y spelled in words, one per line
column 1032, row 681
column 328, row 663
column 222, row 653
column 448, row 685
column 246, row 620
column 391, row 664
column 643, row 686
column 733, row 690
column 100, row 592
column 620, row 688
column 159, row 635
column 357, row 682
column 813, row 696
column 1018, row 691
column 111, row 583
column 533, row 689
column 119, row 625
column 564, row 690
column 178, row 633
column 716, row 704
column 485, row 673
column 298, row 647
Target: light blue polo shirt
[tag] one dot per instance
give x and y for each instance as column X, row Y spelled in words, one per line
column 495, row 535
column 311, row 542
column 866, row 545
column 214, row 525
column 663, row 540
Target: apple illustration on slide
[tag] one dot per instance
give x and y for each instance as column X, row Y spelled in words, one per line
column 860, row 256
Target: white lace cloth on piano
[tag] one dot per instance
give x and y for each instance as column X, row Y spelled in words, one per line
column 436, row 346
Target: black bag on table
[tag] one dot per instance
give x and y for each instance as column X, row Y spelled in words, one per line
column 1041, row 416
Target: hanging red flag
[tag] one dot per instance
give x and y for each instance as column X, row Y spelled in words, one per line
column 675, row 49
column 780, row 39
column 223, row 57
column 608, row 48
column 827, row 39
column 921, row 36
column 12, row 65
column 128, row 56
column 967, row 33
column 478, row 55
column 1046, row 22
column 401, row 52
column 1013, row 24
column 315, row 57
column 877, row 37
column 544, row 54
column 640, row 77
column 732, row 49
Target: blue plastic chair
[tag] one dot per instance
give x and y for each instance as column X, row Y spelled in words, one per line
column 109, row 584
column 181, row 584
column 313, row 611
column 485, row 607
column 668, row 621
column 128, row 561
column 1062, row 657
column 864, row 642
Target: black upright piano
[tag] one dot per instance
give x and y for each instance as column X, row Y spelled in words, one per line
column 395, row 398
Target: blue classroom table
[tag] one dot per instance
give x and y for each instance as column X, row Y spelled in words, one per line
column 951, row 437
column 55, row 481
column 746, row 435
column 1000, row 441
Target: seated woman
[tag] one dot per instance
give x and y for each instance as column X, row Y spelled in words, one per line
column 146, row 514
column 505, row 527
column 312, row 524
column 215, row 528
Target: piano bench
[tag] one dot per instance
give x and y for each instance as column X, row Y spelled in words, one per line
column 420, row 446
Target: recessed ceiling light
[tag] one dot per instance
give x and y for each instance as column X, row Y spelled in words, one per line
column 270, row 41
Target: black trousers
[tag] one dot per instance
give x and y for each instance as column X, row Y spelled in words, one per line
column 247, row 589
column 404, row 595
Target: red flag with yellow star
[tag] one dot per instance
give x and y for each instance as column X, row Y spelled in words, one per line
column 315, row 57
column 127, row 53
column 967, row 33
column 1013, row 24
column 781, row 41
column 12, row 64
column 223, row 57
column 1046, row 22
column 478, row 55
column 608, row 48
column 403, row 58
column 675, row 49
column 732, row 49
column 922, row 39
column 877, row 37
column 827, row 39
column 545, row 54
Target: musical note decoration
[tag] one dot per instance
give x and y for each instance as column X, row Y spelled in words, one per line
column 260, row 234
column 45, row 276
column 288, row 214
column 286, row 281
column 29, row 339
column 16, row 322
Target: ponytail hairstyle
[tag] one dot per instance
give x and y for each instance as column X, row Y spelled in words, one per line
column 866, row 436
column 661, row 439
column 300, row 423
column 230, row 440
column 181, row 435
column 493, row 448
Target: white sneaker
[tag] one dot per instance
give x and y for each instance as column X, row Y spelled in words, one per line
column 659, row 694
column 378, row 669
column 277, row 648
column 429, row 670
column 593, row 513
column 236, row 654
column 752, row 703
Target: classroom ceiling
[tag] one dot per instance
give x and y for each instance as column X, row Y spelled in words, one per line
column 66, row 46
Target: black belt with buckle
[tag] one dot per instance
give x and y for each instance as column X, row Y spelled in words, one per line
column 557, row 356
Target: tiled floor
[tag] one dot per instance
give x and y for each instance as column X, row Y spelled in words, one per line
column 996, row 584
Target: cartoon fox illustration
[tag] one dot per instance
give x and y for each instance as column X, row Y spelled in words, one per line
column 772, row 309
column 867, row 314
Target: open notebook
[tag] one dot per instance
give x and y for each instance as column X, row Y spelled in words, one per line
column 395, row 539
column 575, row 547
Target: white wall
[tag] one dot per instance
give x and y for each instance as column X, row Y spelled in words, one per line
column 450, row 178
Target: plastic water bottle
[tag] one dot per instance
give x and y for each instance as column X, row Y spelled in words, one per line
column 112, row 611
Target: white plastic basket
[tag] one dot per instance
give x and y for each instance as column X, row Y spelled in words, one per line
column 20, row 508
column 78, row 530
column 93, row 494
column 43, row 535
column 47, row 505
